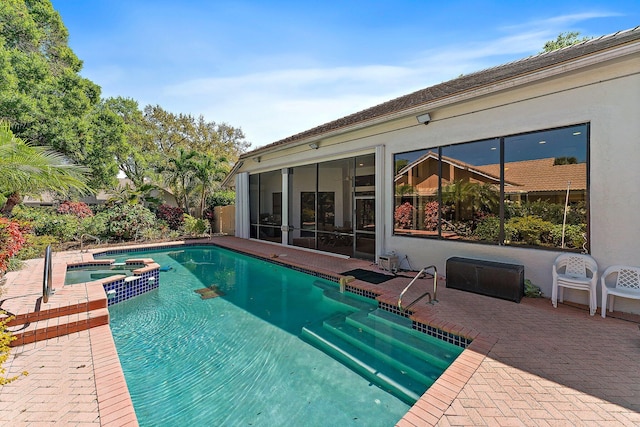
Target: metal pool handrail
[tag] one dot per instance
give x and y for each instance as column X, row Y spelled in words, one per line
column 47, row 278
column 420, row 273
column 82, row 240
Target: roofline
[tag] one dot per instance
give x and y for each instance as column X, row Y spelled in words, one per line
column 528, row 76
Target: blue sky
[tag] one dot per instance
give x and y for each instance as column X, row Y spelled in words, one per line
column 276, row 68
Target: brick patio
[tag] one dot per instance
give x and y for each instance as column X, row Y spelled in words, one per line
column 529, row 364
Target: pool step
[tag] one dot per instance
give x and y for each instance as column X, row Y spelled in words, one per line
column 382, row 347
column 381, row 374
column 54, row 327
column 349, row 300
column 424, row 371
column 70, row 309
column 396, row 331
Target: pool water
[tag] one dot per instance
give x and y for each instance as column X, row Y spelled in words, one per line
column 89, row 274
column 238, row 359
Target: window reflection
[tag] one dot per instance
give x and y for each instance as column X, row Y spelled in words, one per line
column 471, row 191
column 545, row 203
column 455, row 192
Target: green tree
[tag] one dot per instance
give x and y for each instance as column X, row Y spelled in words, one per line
column 27, row 169
column 563, row 40
column 137, row 153
column 208, row 173
column 469, row 198
column 178, row 174
column 191, row 154
column 134, row 195
column 42, row 93
column 170, row 132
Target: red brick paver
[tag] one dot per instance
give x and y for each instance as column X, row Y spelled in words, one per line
column 529, row 364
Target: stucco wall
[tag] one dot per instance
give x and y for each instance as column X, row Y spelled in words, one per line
column 606, row 95
column 611, row 104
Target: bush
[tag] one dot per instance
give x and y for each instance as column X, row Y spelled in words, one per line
column 431, row 210
column 221, row 198
column 35, row 245
column 195, row 226
column 128, row 222
column 577, row 213
column 488, row 229
column 173, row 216
column 95, row 225
column 77, row 209
column 531, row 230
column 63, row 227
column 45, row 221
column 5, row 340
column 11, row 241
column 404, row 215
column 574, row 236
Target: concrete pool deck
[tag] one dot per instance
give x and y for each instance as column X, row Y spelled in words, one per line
column 529, row 364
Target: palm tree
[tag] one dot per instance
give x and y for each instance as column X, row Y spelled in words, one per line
column 133, row 195
column 470, row 198
column 28, row 169
column 178, row 173
column 209, row 172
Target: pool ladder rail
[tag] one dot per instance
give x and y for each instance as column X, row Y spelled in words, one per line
column 97, row 239
column 435, row 284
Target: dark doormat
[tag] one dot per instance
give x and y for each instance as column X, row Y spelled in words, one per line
column 368, row 276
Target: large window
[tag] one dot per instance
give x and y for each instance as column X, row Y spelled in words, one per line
column 265, row 195
column 528, row 189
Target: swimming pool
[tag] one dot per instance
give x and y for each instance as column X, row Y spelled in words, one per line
column 95, row 272
column 238, row 359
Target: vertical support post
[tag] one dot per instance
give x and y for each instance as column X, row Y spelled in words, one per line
column 382, row 214
column 242, row 205
column 285, row 206
column 47, row 276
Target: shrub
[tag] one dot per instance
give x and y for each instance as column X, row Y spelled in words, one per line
column 531, row 230
column 11, row 241
column 128, row 222
column 488, row 229
column 45, row 221
column 209, row 215
column 404, row 215
column 431, row 215
column 574, row 236
column 173, row 216
column 15, row 264
column 95, row 225
column 577, row 213
column 221, row 198
column 195, row 226
column 77, row 209
column 35, row 245
column 5, row 340
column 531, row 290
column 63, row 227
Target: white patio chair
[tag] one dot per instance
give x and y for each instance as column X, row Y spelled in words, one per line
column 575, row 271
column 627, row 285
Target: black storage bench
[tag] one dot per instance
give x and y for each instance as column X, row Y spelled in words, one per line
column 494, row 279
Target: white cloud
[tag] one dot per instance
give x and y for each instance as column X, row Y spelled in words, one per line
column 285, row 99
column 277, row 104
column 559, row 23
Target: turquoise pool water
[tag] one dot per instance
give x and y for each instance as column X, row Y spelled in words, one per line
column 89, row 274
column 237, row 359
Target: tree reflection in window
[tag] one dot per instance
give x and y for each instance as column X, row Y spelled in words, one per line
column 455, row 192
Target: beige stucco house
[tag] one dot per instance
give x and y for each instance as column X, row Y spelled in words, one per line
column 555, row 137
